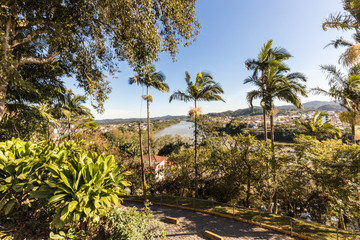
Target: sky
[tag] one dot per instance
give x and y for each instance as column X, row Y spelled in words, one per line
column 232, row 32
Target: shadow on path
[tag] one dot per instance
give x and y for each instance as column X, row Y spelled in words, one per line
column 193, row 224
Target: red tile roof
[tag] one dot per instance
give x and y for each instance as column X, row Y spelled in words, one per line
column 155, row 158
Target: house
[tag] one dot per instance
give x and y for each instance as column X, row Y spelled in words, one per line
column 159, row 163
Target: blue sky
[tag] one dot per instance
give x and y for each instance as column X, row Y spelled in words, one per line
column 233, row 31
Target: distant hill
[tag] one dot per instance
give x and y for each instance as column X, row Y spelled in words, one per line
column 309, row 106
column 238, row 113
column 314, row 105
column 125, row 120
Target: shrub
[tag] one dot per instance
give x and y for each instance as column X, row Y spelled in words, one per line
column 79, row 187
column 131, row 224
column 83, row 188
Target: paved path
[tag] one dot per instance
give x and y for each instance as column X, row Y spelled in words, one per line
column 193, row 224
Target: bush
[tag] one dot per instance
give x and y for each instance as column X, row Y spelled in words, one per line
column 76, row 188
column 131, row 224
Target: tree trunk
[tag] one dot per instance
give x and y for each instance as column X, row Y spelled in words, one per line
column 271, row 197
column 3, row 92
column 69, row 125
column 272, row 130
column 4, row 82
column 341, row 220
column 148, row 123
column 195, row 148
column 247, row 202
column 353, row 132
column 265, row 125
column 142, row 165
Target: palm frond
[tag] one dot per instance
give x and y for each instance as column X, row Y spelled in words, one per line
column 253, row 95
column 339, row 43
column 340, row 21
column 178, row 95
column 187, row 78
column 265, row 49
column 351, row 56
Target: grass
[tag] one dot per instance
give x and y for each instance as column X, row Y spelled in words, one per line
column 309, row 229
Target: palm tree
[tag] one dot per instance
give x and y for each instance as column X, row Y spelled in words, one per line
column 267, row 57
column 70, row 106
column 344, row 89
column 318, row 126
column 282, row 87
column 150, row 78
column 46, row 112
column 203, row 89
column 350, row 20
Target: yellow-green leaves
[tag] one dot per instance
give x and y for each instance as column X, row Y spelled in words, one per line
column 79, row 186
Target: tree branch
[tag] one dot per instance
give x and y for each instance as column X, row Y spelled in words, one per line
column 28, row 38
column 38, row 60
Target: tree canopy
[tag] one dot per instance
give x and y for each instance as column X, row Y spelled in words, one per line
column 84, row 39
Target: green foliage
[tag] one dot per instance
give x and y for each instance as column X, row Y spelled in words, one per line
column 79, row 186
column 84, row 38
column 235, row 127
column 71, row 234
column 131, row 224
column 168, row 145
column 21, row 172
column 134, row 166
column 126, row 140
column 345, row 90
column 240, row 167
column 83, row 188
column 319, row 126
column 348, row 20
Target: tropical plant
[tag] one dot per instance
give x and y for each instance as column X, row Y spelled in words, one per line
column 46, row 111
column 274, row 83
column 78, row 187
column 318, row 126
column 72, row 109
column 349, row 20
column 82, row 188
column 19, row 173
column 282, row 86
column 267, row 57
column 150, row 78
column 203, row 89
column 345, row 89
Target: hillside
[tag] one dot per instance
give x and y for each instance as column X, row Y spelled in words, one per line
column 309, row 106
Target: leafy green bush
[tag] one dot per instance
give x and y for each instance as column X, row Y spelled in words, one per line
column 20, row 172
column 83, row 188
column 131, row 224
column 78, row 187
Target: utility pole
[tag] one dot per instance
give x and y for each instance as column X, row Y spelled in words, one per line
column 142, row 165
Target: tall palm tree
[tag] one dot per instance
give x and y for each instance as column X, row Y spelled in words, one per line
column 349, row 20
column 267, row 57
column 282, row 86
column 318, row 126
column 344, row 89
column 203, row 89
column 150, row 78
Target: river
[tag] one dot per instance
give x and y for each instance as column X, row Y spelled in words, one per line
column 185, row 129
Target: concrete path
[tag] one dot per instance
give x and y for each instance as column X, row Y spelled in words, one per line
column 193, row 224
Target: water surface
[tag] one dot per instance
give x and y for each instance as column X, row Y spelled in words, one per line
column 185, row 129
